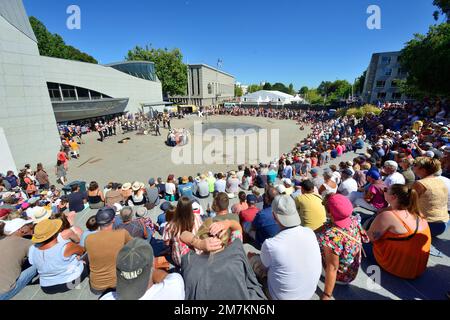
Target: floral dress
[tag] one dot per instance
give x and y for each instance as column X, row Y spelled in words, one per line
column 347, row 249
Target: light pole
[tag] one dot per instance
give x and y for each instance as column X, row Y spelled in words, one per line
column 219, row 62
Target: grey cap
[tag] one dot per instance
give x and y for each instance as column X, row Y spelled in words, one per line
column 284, row 208
column 134, row 267
column 105, row 216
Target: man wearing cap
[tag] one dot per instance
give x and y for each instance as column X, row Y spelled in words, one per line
column 137, row 279
column 264, row 225
column 16, row 272
column 186, row 188
column 291, row 260
column 316, row 179
column 309, row 207
column 393, row 177
column 249, row 214
column 289, row 186
column 348, row 184
column 373, row 197
column 102, row 248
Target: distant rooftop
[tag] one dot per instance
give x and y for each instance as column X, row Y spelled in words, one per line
column 209, row 67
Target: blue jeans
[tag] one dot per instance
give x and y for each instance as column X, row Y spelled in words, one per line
column 24, row 279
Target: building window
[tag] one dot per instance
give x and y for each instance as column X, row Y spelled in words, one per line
column 386, row 60
column 388, row 71
column 381, row 95
column 397, row 95
column 209, row 88
column 381, row 84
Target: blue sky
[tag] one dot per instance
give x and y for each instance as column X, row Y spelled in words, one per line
column 298, row 41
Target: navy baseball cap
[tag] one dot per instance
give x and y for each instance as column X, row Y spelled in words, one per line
column 251, row 198
column 151, row 181
column 373, row 174
column 165, row 206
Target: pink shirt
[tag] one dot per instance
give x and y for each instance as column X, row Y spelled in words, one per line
column 339, row 150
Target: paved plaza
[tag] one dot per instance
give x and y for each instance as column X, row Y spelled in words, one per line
column 147, row 156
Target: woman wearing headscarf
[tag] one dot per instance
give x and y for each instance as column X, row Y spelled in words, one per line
column 340, row 242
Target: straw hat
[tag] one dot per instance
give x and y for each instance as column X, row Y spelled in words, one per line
column 46, row 229
column 126, row 186
column 137, row 186
column 40, row 214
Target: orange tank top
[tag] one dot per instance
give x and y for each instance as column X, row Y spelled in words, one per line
column 404, row 255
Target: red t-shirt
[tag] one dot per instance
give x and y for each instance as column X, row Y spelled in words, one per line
column 248, row 215
column 62, row 157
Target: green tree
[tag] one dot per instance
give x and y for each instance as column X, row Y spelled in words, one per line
column 170, row 69
column 313, row 97
column 280, row 87
column 426, row 59
column 359, row 84
column 291, row 89
column 254, row 87
column 267, row 86
column 53, row 45
column 303, row 91
column 238, row 92
column 443, row 9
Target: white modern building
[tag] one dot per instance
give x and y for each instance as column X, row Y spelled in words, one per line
column 36, row 92
column 26, row 113
column 80, row 90
column 272, row 98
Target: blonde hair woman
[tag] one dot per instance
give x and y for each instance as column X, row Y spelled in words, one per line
column 432, row 193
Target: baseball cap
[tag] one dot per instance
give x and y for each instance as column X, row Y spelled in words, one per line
column 373, row 174
column 165, row 206
column 14, row 225
column 429, row 154
column 281, row 188
column 134, row 267
column 105, row 216
column 391, row 163
column 251, row 198
column 283, row 206
column 287, row 181
column 151, row 181
column 347, row 172
column 314, row 171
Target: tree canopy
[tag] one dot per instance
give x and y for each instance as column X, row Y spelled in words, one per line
column 170, row 69
column 426, row 59
column 53, row 45
column 238, row 92
column 443, row 9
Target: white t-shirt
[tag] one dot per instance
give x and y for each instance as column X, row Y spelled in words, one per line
column 336, row 177
column 172, row 288
column 170, row 188
column 395, row 178
column 220, row 185
column 348, row 186
column 294, row 264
